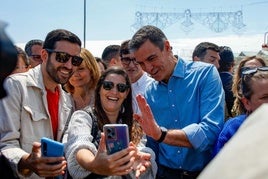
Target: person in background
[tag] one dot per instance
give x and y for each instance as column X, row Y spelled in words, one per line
column 110, row 56
column 8, row 58
column 138, row 78
column 245, row 155
column 86, row 152
column 182, row 113
column 247, row 62
column 82, row 83
column 8, row 61
column 38, row 107
column 207, row 52
column 254, row 90
column 23, row 63
column 226, row 73
column 102, row 65
column 33, row 50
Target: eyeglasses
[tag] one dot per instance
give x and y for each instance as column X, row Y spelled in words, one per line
column 36, row 57
column 64, row 57
column 121, row 87
column 127, row 60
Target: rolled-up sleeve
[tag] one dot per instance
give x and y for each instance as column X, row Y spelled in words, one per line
column 203, row 134
column 79, row 137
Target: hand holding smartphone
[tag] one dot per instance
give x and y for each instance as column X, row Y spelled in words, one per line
column 51, row 148
column 116, row 137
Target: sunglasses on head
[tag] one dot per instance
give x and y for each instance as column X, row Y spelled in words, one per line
column 64, row 57
column 121, row 87
column 252, row 70
column 127, row 60
column 248, row 72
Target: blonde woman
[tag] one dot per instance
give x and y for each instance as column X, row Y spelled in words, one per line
column 248, row 62
column 83, row 81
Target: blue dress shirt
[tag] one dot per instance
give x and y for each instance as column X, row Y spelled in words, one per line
column 193, row 101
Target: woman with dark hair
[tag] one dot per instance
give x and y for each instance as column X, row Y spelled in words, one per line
column 23, row 63
column 86, row 155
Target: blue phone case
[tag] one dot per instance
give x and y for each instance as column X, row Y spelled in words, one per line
column 116, row 137
column 51, row 148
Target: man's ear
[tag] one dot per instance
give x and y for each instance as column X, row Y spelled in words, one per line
column 44, row 55
column 167, row 46
column 246, row 103
column 112, row 61
column 196, row 58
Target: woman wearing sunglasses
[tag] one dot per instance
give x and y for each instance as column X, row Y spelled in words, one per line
column 254, row 92
column 86, row 155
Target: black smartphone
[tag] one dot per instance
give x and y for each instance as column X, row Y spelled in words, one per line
column 116, row 137
column 51, row 148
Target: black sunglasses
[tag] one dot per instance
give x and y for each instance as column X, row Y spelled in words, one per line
column 64, row 57
column 121, row 87
column 127, row 60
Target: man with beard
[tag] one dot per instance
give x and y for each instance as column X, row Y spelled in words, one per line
column 38, row 107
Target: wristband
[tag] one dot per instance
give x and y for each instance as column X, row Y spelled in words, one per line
column 163, row 134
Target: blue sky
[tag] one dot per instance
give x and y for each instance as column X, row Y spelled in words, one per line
column 112, row 19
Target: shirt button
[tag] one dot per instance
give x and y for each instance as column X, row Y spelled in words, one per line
column 179, row 152
column 170, row 91
column 173, row 105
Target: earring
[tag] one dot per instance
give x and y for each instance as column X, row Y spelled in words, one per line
column 122, row 109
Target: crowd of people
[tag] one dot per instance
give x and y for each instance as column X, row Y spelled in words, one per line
column 180, row 113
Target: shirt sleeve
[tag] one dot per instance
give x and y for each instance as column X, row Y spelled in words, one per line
column 10, row 124
column 79, row 137
column 203, row 135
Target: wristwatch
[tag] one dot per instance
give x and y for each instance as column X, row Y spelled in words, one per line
column 163, row 134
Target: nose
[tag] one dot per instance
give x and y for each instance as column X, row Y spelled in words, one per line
column 114, row 89
column 147, row 67
column 131, row 63
column 69, row 64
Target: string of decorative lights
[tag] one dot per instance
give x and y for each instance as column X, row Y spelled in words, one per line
column 215, row 21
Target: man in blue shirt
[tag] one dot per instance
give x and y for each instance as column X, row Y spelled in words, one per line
column 183, row 112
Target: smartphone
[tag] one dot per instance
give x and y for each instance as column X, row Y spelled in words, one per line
column 116, row 137
column 51, row 148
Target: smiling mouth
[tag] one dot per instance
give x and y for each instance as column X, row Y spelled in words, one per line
column 112, row 98
column 153, row 74
column 65, row 72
